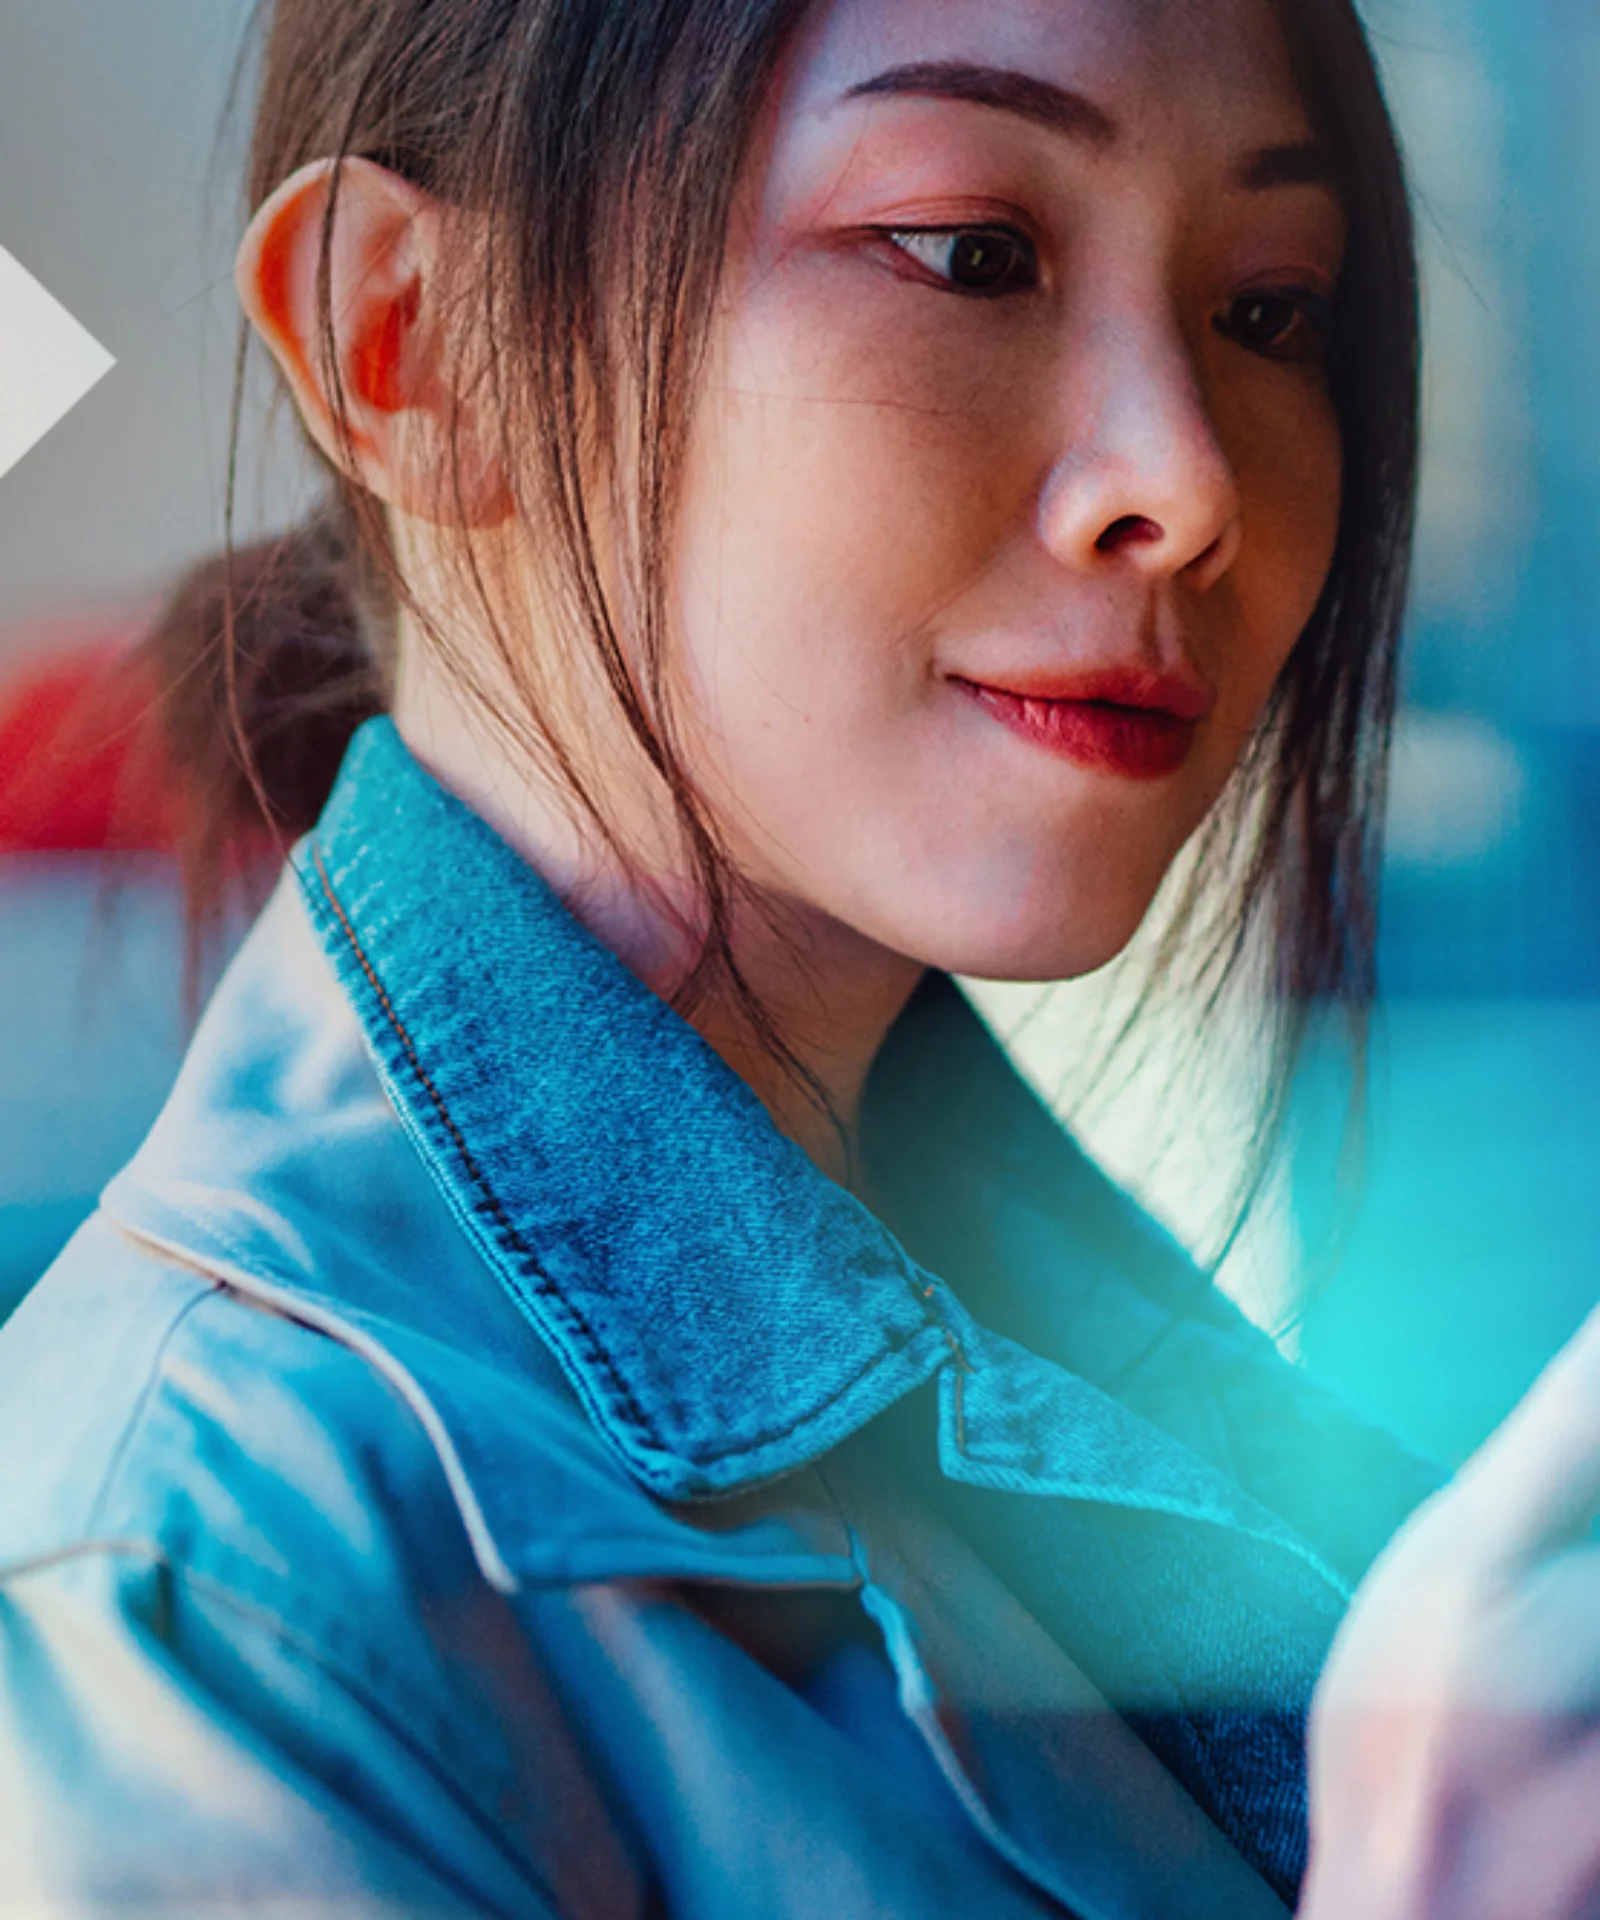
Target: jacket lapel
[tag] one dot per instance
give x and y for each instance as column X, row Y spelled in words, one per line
column 1059, row 1781
column 1183, row 1511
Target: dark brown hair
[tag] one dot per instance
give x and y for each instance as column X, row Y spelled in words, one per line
column 573, row 128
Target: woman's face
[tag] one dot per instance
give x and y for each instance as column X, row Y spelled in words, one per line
column 1014, row 475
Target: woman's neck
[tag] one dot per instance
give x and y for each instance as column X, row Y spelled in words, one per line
column 831, row 998
column 825, row 993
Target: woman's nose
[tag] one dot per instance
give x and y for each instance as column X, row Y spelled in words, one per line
column 1142, row 480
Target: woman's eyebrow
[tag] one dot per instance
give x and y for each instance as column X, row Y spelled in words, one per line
column 1299, row 163
column 1001, row 87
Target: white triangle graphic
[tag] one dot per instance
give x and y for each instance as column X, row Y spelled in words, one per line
column 48, row 362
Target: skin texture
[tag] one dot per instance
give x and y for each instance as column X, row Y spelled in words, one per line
column 895, row 486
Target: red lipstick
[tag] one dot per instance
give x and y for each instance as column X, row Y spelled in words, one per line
column 1129, row 721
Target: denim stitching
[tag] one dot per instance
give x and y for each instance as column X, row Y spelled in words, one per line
column 474, row 1172
column 963, row 1368
column 147, row 1395
column 547, row 1286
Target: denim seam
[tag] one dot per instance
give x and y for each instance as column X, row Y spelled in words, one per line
column 963, row 1366
column 475, row 1173
column 206, row 1288
column 382, row 1688
column 547, row 1287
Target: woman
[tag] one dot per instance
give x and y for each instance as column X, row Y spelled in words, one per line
column 602, row 1394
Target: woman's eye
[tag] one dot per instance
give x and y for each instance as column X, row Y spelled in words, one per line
column 979, row 260
column 1281, row 326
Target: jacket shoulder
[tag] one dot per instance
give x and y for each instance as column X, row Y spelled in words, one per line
column 144, row 1404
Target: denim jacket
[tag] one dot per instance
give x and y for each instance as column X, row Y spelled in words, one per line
column 473, row 1464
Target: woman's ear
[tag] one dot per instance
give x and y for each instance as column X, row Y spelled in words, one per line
column 383, row 411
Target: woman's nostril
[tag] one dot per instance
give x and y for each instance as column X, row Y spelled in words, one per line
column 1131, row 530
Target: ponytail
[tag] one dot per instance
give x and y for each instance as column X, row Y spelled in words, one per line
column 263, row 671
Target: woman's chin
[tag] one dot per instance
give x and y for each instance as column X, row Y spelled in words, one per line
column 1057, row 946
column 1054, row 913
column 1036, row 961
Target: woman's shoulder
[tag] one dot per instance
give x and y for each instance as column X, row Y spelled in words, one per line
column 300, row 1449
column 150, row 1410
column 229, row 1546
column 179, row 1381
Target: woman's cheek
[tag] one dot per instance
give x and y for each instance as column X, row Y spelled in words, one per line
column 845, row 331
column 873, row 475
column 1291, row 492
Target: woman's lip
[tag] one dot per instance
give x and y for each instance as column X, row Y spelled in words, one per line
column 1138, row 742
column 1183, row 696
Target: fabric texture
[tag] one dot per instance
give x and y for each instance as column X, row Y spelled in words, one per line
column 474, row 1464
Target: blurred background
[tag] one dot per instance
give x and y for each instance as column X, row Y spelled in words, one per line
column 1434, row 1292
column 119, row 192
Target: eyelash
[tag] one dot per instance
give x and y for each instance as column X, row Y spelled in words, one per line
column 1312, row 313
column 1014, row 247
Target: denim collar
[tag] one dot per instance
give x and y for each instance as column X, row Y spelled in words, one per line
column 724, row 1310
column 726, row 1313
